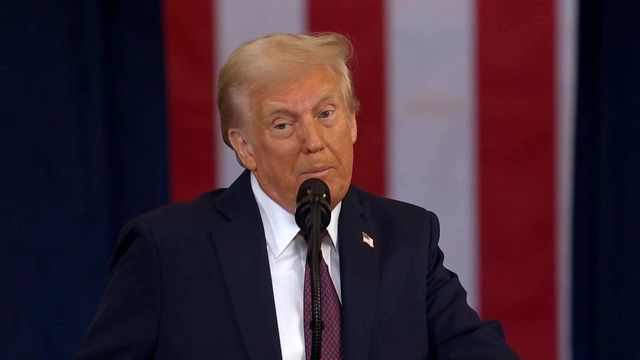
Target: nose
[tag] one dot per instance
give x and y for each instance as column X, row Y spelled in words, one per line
column 312, row 136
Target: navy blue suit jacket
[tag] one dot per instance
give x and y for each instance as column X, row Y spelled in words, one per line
column 192, row 281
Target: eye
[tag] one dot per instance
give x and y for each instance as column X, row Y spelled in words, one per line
column 326, row 114
column 282, row 128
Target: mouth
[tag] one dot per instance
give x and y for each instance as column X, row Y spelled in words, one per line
column 316, row 172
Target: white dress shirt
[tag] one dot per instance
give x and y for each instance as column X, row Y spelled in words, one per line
column 287, row 260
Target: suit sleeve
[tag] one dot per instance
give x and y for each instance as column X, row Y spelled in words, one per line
column 126, row 322
column 454, row 328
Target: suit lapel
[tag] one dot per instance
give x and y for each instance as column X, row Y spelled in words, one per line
column 241, row 246
column 359, row 269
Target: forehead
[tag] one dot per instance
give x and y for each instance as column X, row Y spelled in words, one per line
column 303, row 88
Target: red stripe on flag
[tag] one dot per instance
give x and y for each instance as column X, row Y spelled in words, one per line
column 515, row 68
column 189, row 44
column 364, row 23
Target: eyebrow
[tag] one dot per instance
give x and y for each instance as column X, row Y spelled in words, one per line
column 277, row 108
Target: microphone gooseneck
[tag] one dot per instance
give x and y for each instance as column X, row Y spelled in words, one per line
column 313, row 215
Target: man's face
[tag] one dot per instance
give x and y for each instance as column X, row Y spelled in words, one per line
column 299, row 129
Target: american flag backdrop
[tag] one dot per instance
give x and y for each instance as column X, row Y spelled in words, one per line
column 467, row 110
column 515, row 121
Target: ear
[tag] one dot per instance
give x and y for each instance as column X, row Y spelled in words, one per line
column 354, row 128
column 244, row 151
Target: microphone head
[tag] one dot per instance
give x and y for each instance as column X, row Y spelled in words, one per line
column 313, row 192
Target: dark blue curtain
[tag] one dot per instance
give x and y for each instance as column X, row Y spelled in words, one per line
column 606, row 244
column 83, row 148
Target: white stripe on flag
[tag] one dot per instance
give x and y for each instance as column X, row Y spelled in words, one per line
column 566, row 38
column 239, row 21
column 431, row 121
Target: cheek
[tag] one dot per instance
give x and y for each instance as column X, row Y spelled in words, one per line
column 347, row 147
column 280, row 159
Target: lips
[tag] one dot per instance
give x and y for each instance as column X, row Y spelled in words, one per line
column 316, row 171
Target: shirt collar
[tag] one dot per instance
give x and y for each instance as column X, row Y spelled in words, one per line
column 280, row 226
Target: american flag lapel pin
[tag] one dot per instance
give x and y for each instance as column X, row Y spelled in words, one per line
column 367, row 239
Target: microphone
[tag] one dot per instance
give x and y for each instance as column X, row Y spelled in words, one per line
column 313, row 195
column 313, row 216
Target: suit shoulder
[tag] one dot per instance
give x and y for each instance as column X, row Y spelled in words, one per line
column 181, row 215
column 391, row 208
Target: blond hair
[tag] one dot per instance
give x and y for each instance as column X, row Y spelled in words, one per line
column 257, row 63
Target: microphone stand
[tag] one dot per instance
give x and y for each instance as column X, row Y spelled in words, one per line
column 314, row 255
column 312, row 215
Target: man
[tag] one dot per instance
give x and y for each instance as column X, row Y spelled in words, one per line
column 225, row 276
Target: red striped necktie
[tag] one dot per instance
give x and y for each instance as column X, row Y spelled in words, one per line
column 331, row 313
